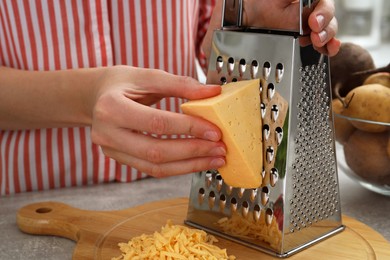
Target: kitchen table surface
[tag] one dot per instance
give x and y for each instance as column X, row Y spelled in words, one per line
column 367, row 207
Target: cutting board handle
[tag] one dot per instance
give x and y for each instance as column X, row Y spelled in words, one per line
column 51, row 218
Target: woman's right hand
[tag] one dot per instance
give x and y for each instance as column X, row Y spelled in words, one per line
column 115, row 101
column 122, row 115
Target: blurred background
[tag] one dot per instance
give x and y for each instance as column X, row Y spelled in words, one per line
column 367, row 23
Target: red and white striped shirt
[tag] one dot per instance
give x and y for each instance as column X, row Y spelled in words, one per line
column 55, row 35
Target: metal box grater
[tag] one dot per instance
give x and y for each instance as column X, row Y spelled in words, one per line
column 298, row 202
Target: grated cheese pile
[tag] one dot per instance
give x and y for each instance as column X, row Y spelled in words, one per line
column 251, row 229
column 173, row 242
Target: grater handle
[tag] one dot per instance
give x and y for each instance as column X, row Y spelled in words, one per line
column 232, row 13
column 305, row 8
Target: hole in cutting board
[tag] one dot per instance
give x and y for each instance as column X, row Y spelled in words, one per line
column 43, row 210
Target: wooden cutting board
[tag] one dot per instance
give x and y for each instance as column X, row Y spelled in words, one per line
column 97, row 233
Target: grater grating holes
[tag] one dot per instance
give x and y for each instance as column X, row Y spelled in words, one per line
column 313, row 178
column 279, row 72
column 254, row 69
column 265, row 195
column 245, row 208
column 219, row 64
column 237, row 200
column 230, row 65
column 211, row 199
column 266, row 70
column 222, row 202
column 240, row 66
column 223, row 80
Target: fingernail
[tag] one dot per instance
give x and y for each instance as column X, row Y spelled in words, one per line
column 218, row 151
column 323, row 36
column 217, row 163
column 211, row 135
column 320, row 20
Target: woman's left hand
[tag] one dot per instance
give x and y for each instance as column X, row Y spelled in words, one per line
column 284, row 14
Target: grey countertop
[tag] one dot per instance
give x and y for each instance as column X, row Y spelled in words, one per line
column 357, row 202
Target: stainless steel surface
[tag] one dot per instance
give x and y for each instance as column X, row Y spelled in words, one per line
column 298, row 201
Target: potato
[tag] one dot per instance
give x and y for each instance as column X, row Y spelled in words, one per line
column 368, row 102
column 350, row 59
column 382, row 78
column 343, row 128
column 365, row 153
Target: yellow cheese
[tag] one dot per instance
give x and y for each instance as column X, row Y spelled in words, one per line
column 236, row 111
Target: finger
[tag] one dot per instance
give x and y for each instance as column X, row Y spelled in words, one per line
column 156, row 150
column 161, row 122
column 321, row 16
column 330, row 49
column 167, row 169
column 304, row 41
column 321, row 38
column 168, row 85
column 333, row 47
column 128, row 114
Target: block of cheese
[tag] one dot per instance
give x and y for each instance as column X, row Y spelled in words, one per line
column 236, row 111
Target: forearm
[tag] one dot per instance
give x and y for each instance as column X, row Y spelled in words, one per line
column 47, row 99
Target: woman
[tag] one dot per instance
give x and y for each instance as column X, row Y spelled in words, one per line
column 90, row 90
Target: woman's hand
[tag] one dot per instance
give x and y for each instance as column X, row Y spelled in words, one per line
column 122, row 116
column 115, row 102
column 284, row 14
column 323, row 29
